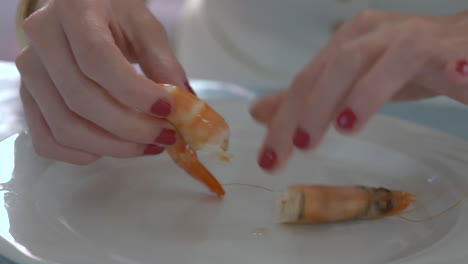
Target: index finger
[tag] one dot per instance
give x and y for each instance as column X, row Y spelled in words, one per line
column 101, row 60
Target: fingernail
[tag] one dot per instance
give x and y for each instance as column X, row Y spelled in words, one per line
column 166, row 137
column 189, row 88
column 346, row 120
column 268, row 159
column 301, row 139
column 161, row 108
column 153, row 150
column 462, row 67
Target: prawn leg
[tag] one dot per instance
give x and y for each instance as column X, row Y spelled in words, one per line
column 186, row 158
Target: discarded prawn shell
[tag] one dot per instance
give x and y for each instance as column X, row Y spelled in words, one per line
column 308, row 204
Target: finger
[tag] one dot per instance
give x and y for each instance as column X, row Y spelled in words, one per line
column 87, row 99
column 283, row 125
column 262, row 110
column 458, row 69
column 265, row 108
column 43, row 141
column 101, row 60
column 456, row 72
column 350, row 62
column 68, row 129
column 277, row 148
column 282, row 122
column 389, row 75
column 357, row 27
column 152, row 48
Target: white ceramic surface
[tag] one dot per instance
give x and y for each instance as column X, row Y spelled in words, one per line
column 148, row 211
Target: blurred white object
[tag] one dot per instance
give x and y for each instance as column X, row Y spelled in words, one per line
column 11, row 114
column 266, row 42
column 8, row 45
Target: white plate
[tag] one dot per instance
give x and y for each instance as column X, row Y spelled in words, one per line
column 148, row 211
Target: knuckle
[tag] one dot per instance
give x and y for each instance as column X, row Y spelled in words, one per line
column 95, row 47
column 33, row 25
column 413, row 29
column 41, row 148
column 415, row 25
column 419, row 29
column 366, row 15
column 22, row 61
column 63, row 134
column 415, row 35
column 351, row 54
column 30, row 25
column 77, row 102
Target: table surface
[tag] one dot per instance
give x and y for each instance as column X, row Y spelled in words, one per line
column 440, row 113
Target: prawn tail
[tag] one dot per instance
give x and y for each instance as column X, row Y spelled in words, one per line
column 187, row 159
column 393, row 203
column 401, row 201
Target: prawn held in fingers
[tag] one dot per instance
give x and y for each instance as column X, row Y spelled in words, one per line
column 308, row 204
column 200, row 128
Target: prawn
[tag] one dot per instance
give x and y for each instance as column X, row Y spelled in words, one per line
column 307, row 204
column 200, row 128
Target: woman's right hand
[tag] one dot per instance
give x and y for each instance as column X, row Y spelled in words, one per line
column 82, row 97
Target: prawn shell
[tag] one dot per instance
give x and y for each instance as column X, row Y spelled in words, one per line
column 308, row 204
column 197, row 122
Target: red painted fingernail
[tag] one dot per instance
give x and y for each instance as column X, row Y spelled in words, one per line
column 161, row 108
column 166, row 137
column 189, row 88
column 462, row 67
column 301, row 139
column 153, row 150
column 346, row 120
column 268, row 159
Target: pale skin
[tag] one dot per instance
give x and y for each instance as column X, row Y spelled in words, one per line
column 372, row 59
column 83, row 100
column 82, row 97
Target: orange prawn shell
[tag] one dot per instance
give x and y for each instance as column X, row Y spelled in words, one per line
column 196, row 121
column 304, row 204
column 199, row 127
column 330, row 203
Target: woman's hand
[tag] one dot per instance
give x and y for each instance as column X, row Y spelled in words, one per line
column 82, row 97
column 374, row 58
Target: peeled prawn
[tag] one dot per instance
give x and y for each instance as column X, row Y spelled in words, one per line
column 307, row 204
column 200, row 128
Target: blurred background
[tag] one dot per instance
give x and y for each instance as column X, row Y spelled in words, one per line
column 254, row 43
column 166, row 10
column 8, row 46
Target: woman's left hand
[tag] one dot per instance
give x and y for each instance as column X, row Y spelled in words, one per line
column 374, row 58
